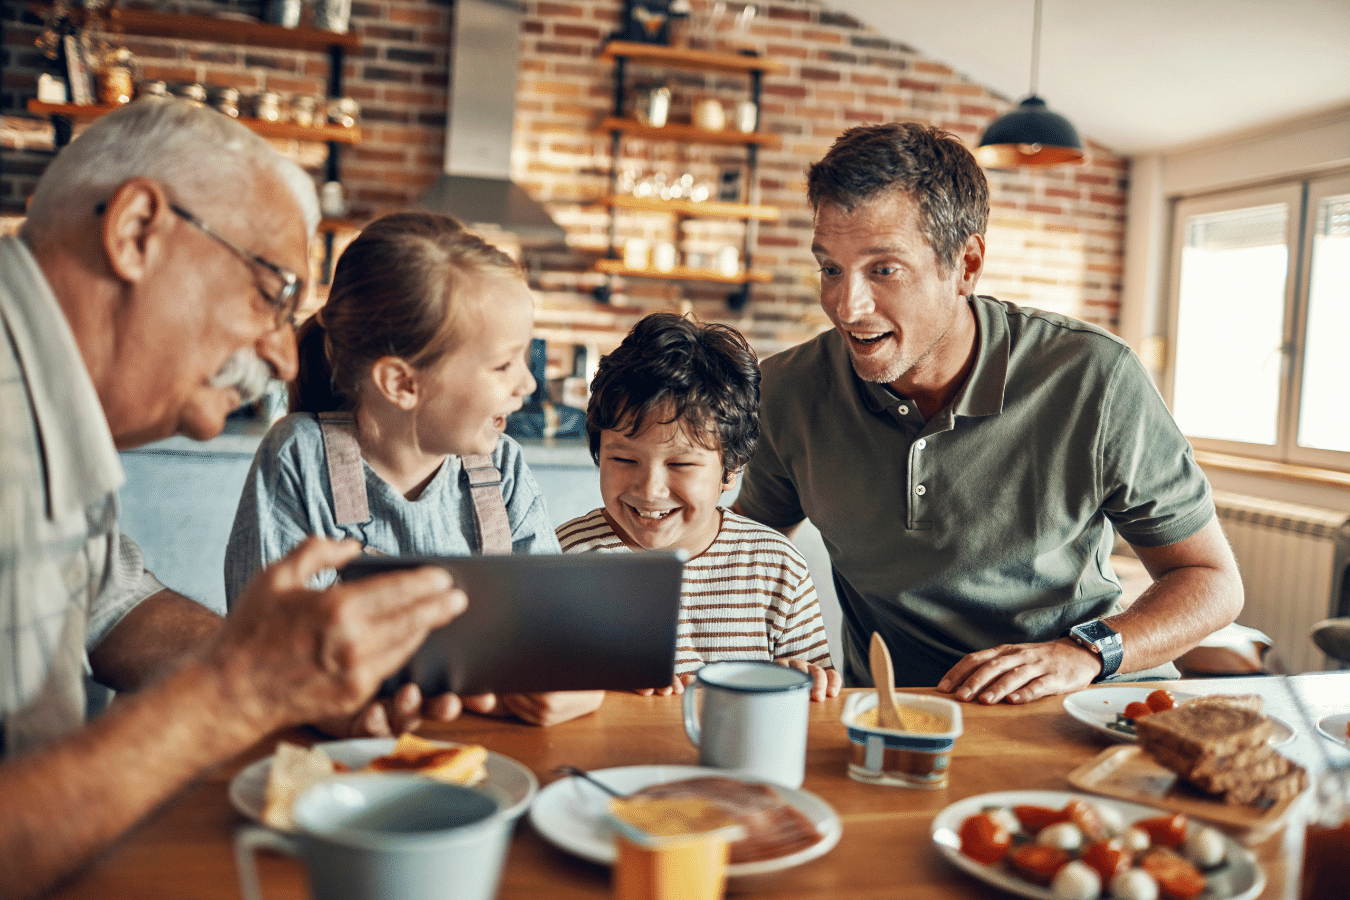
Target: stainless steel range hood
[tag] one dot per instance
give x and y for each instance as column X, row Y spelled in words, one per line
column 476, row 187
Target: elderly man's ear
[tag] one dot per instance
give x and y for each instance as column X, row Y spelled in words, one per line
column 135, row 226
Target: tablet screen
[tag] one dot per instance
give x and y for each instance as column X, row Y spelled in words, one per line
column 585, row 621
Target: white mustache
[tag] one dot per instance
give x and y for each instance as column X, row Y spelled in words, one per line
column 246, row 373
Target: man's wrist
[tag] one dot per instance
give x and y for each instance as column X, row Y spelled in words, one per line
column 1102, row 640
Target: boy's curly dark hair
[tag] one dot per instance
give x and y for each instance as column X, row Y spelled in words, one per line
column 704, row 377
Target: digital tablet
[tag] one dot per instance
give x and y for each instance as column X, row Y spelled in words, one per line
column 566, row 622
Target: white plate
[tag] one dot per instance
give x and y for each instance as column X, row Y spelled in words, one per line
column 1097, row 708
column 1333, row 727
column 570, row 814
column 508, row 782
column 1239, row 878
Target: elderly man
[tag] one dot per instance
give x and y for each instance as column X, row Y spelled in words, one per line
column 163, row 242
column 965, row 459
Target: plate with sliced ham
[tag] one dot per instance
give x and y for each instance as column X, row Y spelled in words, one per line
column 784, row 827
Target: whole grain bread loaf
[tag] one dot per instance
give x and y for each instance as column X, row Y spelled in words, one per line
column 1220, row 745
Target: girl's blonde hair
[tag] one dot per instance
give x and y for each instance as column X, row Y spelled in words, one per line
column 397, row 291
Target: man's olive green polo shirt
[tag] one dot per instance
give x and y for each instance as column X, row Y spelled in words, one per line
column 989, row 523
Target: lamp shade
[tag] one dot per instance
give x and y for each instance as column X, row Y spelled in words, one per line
column 1030, row 135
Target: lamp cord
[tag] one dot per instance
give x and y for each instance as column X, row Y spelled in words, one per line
column 1036, row 48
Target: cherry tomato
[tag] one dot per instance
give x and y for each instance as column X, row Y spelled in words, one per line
column 1087, row 818
column 1164, row 831
column 1177, row 878
column 1160, row 701
column 1136, row 710
column 983, row 839
column 1107, row 857
column 1037, row 862
column 1034, row 818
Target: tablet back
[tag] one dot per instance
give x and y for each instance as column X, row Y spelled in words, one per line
column 549, row 623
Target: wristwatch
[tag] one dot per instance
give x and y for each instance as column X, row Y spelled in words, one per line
column 1102, row 640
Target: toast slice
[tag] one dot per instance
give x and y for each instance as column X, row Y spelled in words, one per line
column 442, row 760
column 294, row 770
column 1214, row 729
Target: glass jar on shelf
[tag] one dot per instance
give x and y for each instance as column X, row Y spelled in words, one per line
column 225, row 99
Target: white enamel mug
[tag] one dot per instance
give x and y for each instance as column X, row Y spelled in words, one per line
column 385, row 836
column 752, row 719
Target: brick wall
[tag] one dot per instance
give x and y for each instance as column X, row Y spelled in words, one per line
column 1055, row 237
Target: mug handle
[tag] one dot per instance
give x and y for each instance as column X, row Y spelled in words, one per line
column 246, row 844
column 691, row 722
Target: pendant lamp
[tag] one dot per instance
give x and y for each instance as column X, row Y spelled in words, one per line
column 1030, row 135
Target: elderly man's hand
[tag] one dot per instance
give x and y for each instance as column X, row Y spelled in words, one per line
column 290, row 654
column 1020, row 673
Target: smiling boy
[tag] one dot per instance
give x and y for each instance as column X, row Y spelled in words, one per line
column 672, row 420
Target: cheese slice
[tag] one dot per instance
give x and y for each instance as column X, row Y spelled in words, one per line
column 442, row 760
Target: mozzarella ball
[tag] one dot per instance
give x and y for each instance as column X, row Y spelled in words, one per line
column 1076, row 881
column 1134, row 884
column 1062, row 836
column 1006, row 818
column 1204, row 847
column 1112, row 820
column 1137, row 840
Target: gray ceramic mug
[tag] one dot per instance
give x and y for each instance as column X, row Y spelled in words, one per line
column 752, row 719
column 388, row 837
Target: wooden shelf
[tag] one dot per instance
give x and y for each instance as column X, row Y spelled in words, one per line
column 684, row 133
column 681, row 273
column 712, row 209
column 76, row 112
column 220, row 29
column 707, row 60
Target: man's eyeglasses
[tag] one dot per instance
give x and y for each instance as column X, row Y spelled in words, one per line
column 284, row 301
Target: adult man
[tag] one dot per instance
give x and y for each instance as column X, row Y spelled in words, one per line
column 158, row 245
column 963, row 457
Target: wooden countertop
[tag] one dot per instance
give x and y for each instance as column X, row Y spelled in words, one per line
column 185, row 849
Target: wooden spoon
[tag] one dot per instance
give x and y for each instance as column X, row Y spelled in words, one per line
column 883, row 676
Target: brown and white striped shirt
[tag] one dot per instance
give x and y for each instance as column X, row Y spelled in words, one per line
column 748, row 596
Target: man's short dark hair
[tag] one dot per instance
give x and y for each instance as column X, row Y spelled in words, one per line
column 929, row 164
column 705, row 377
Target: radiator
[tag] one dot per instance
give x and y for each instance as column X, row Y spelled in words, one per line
column 1293, row 562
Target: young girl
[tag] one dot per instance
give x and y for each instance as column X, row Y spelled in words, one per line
column 406, row 378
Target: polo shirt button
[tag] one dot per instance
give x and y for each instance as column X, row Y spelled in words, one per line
column 920, row 444
column 920, row 490
column 903, row 410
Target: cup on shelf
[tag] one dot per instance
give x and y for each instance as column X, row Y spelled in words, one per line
column 636, row 253
column 747, row 116
column 344, row 111
column 285, row 13
column 710, row 115
column 664, row 257
column 653, row 107
column 729, row 262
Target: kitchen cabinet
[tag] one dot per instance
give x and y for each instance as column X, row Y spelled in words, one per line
column 621, row 125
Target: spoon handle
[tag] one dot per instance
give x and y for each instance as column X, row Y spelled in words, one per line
column 586, row 776
column 883, row 677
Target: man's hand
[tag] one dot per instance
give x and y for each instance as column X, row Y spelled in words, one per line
column 538, row 709
column 824, row 682
column 291, row 654
column 1020, row 673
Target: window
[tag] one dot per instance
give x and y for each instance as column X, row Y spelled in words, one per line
column 1261, row 322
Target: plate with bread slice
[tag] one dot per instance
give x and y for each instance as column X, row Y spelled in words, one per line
column 265, row 790
column 1112, row 711
column 1336, row 728
column 784, row 827
column 1048, row 845
column 1209, row 757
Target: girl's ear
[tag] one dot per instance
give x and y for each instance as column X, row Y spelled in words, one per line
column 396, row 380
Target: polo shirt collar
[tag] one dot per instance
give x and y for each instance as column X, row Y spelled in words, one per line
column 982, row 394
column 80, row 462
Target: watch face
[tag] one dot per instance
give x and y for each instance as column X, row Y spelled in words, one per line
column 1094, row 632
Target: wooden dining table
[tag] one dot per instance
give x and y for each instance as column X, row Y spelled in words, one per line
column 185, row 848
